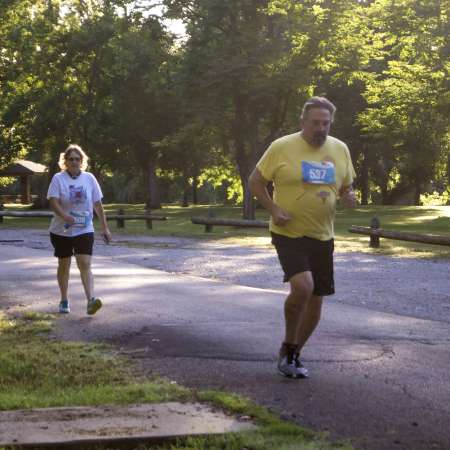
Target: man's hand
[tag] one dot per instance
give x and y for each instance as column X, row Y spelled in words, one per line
column 348, row 197
column 258, row 187
column 279, row 216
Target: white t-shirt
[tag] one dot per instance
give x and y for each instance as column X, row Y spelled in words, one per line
column 76, row 197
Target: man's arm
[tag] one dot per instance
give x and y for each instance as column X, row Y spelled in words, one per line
column 347, row 196
column 258, row 187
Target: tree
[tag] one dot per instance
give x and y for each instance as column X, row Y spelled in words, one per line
column 253, row 63
column 142, row 104
column 409, row 99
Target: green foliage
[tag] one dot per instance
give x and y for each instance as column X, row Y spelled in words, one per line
column 224, row 174
column 108, row 75
column 408, row 97
column 7, row 181
column 435, row 198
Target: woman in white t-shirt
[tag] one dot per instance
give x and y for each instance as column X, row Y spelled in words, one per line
column 74, row 195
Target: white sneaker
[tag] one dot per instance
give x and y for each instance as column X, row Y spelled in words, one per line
column 300, row 367
column 288, row 365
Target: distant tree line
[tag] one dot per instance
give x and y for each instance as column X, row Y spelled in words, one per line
column 153, row 110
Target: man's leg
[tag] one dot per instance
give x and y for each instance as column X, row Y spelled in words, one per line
column 62, row 275
column 310, row 320
column 321, row 259
column 295, row 308
column 296, row 305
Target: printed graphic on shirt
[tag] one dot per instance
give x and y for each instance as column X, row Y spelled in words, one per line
column 323, row 195
column 77, row 194
column 318, row 172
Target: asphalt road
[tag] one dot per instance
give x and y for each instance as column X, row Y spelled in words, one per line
column 379, row 379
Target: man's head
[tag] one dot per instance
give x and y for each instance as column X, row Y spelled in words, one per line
column 316, row 119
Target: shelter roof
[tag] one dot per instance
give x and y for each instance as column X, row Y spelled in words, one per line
column 23, row 167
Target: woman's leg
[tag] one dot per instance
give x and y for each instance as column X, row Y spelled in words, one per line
column 84, row 265
column 62, row 275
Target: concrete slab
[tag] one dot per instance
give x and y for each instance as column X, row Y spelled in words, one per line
column 94, row 425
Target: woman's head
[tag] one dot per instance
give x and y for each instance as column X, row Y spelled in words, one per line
column 73, row 158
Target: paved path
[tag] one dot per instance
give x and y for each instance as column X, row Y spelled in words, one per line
column 379, row 378
column 406, row 286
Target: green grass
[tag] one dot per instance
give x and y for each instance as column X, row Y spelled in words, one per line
column 420, row 219
column 417, row 219
column 37, row 372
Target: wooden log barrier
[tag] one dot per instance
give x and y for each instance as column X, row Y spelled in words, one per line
column 402, row 235
column 120, row 218
column 209, row 222
column 6, row 213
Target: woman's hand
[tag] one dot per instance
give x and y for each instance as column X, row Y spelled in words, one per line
column 68, row 219
column 107, row 236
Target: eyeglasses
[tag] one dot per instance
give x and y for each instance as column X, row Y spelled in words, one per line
column 73, row 159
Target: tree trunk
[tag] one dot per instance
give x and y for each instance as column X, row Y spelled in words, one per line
column 365, row 179
column 448, row 169
column 186, row 189
column 384, row 194
column 153, row 192
column 417, row 192
column 195, row 190
column 249, row 204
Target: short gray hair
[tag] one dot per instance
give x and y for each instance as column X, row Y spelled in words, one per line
column 318, row 102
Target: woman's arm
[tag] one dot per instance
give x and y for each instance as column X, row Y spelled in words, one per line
column 98, row 206
column 57, row 209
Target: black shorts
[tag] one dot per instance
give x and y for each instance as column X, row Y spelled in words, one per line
column 66, row 246
column 306, row 254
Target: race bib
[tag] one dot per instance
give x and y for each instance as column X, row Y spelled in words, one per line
column 82, row 219
column 318, row 172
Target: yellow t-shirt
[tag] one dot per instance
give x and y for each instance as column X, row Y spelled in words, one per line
column 306, row 183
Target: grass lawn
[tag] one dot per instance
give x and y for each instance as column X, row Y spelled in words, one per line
column 420, row 219
column 36, row 371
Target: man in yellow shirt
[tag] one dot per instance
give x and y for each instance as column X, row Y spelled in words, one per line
column 310, row 170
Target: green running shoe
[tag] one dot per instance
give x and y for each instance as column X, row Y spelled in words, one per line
column 94, row 304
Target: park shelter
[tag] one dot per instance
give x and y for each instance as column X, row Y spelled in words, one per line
column 25, row 170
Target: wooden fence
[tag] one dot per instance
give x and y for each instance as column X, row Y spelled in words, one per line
column 375, row 233
column 209, row 222
column 120, row 218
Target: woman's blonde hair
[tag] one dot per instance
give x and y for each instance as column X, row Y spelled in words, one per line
column 73, row 148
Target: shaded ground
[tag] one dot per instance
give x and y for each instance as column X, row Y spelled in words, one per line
column 378, row 377
column 413, row 287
